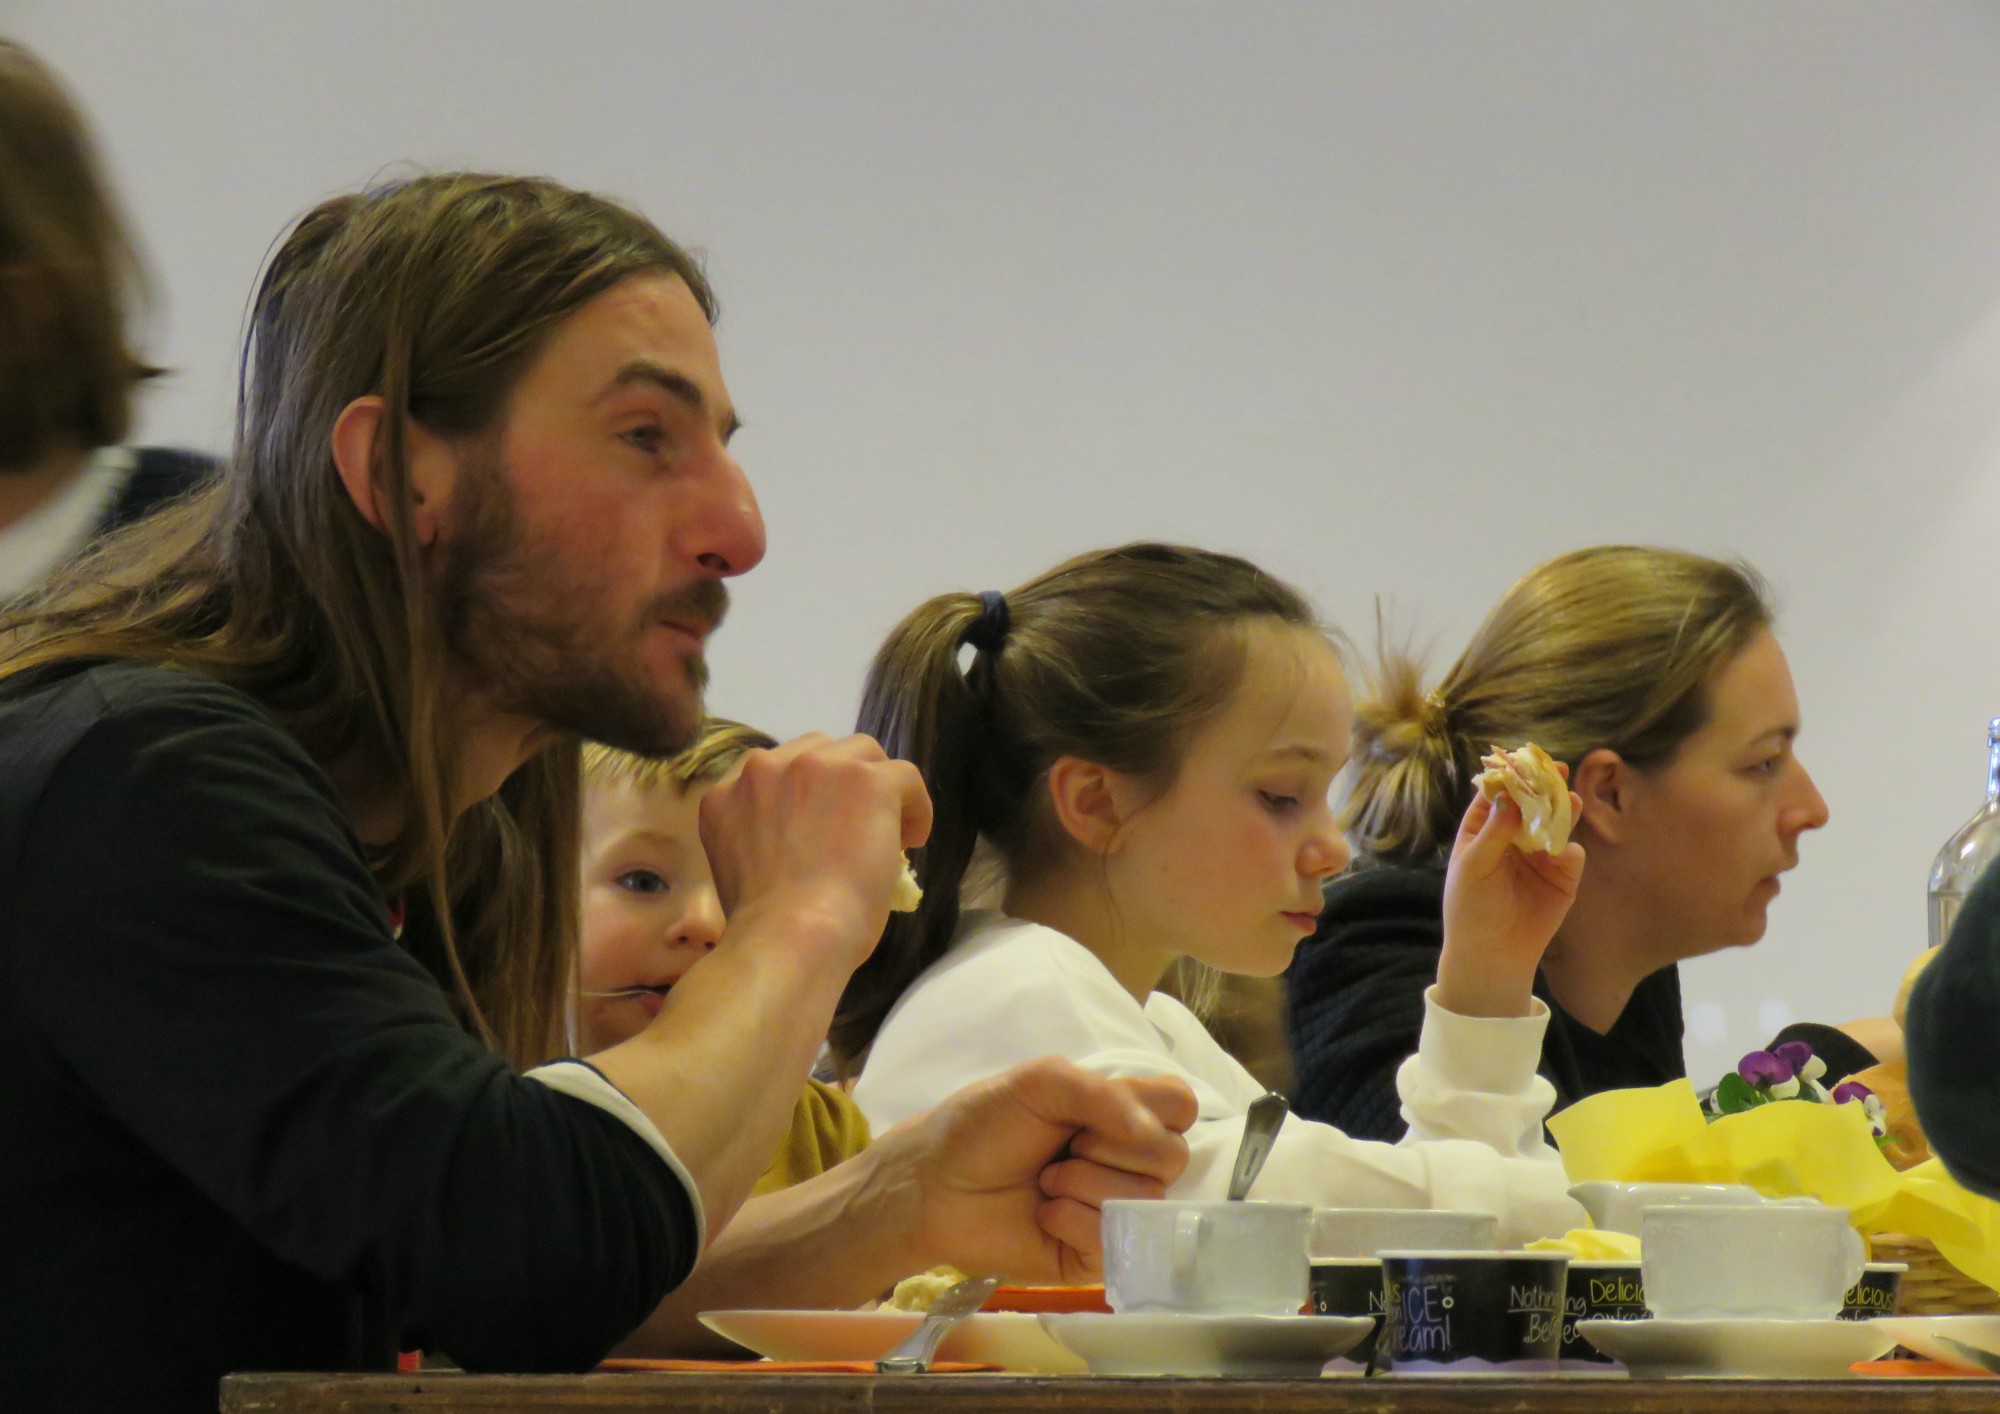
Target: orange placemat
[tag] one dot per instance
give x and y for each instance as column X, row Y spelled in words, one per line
column 1915, row 1369
column 772, row 1367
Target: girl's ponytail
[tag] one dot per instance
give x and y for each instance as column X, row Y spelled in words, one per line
column 923, row 709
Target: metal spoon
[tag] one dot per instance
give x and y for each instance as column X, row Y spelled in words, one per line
column 912, row 1356
column 1973, row 1356
column 1260, row 1129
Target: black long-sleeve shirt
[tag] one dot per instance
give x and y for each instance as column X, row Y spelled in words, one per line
column 240, row 1127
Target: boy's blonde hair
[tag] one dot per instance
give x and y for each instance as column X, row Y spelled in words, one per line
column 720, row 746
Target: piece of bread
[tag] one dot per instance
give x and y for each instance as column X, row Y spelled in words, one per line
column 1529, row 777
column 1910, row 975
column 1903, row 1145
column 907, row 895
column 918, row 1292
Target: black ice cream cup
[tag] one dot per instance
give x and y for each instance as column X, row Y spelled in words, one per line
column 1471, row 1312
column 1599, row 1291
column 1350, row 1286
column 1875, row 1294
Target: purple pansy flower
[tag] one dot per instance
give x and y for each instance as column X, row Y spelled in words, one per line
column 1766, row 1068
column 1854, row 1092
column 1795, row 1055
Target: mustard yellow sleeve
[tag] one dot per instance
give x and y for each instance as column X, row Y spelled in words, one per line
column 827, row 1128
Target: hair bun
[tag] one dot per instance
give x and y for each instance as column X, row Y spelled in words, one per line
column 1385, row 736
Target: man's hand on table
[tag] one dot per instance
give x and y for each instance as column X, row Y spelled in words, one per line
column 1004, row 1178
column 1008, row 1176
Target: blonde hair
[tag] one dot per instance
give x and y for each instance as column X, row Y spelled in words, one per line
column 720, row 746
column 1611, row 647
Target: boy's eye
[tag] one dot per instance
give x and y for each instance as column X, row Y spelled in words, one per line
column 641, row 881
column 1275, row 801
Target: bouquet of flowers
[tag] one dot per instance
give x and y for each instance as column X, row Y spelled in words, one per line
column 1790, row 1071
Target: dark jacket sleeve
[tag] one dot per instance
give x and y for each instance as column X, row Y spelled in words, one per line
column 1839, row 1052
column 1952, row 1030
column 159, row 475
column 1355, row 1011
column 200, row 943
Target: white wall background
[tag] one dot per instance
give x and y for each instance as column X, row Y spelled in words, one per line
column 1398, row 298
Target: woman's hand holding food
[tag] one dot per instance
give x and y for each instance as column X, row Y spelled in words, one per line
column 1502, row 906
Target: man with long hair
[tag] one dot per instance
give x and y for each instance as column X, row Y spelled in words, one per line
column 288, row 817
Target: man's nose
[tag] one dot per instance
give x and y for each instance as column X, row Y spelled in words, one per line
column 730, row 538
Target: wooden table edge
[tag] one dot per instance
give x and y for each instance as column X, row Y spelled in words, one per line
column 751, row 1393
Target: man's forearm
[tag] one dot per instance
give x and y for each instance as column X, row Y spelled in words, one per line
column 831, row 1242
column 720, row 1069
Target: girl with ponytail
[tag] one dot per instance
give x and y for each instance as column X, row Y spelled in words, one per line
column 1653, row 675
column 1142, row 742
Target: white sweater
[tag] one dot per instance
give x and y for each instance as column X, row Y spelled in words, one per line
column 1010, row 991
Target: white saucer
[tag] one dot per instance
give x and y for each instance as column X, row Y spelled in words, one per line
column 1168, row 1344
column 1661, row 1348
column 1966, row 1342
column 1013, row 1340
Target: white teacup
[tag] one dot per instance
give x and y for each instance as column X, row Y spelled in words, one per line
column 1789, row 1261
column 1235, row 1259
column 1365, row 1232
column 1618, row 1207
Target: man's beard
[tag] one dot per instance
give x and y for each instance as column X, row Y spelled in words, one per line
column 510, row 617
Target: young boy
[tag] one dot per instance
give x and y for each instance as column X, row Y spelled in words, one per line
column 650, row 912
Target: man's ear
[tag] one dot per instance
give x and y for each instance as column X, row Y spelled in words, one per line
column 355, row 434
column 1604, row 781
column 1088, row 801
column 356, row 444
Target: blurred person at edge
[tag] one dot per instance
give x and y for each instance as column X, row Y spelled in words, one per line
column 69, row 277
column 1654, row 675
column 288, row 866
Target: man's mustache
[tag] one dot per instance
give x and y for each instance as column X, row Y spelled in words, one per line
column 704, row 603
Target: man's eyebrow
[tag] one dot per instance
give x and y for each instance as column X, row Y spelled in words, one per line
column 678, row 386
column 1789, row 732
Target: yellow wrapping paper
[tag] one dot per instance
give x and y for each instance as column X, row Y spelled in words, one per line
column 1783, row 1150
column 1588, row 1244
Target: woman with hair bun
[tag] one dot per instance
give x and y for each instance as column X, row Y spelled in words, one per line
column 1654, row 676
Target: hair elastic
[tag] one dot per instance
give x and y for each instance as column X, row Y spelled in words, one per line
column 989, row 630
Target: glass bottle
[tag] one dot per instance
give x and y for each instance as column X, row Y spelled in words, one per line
column 1966, row 854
